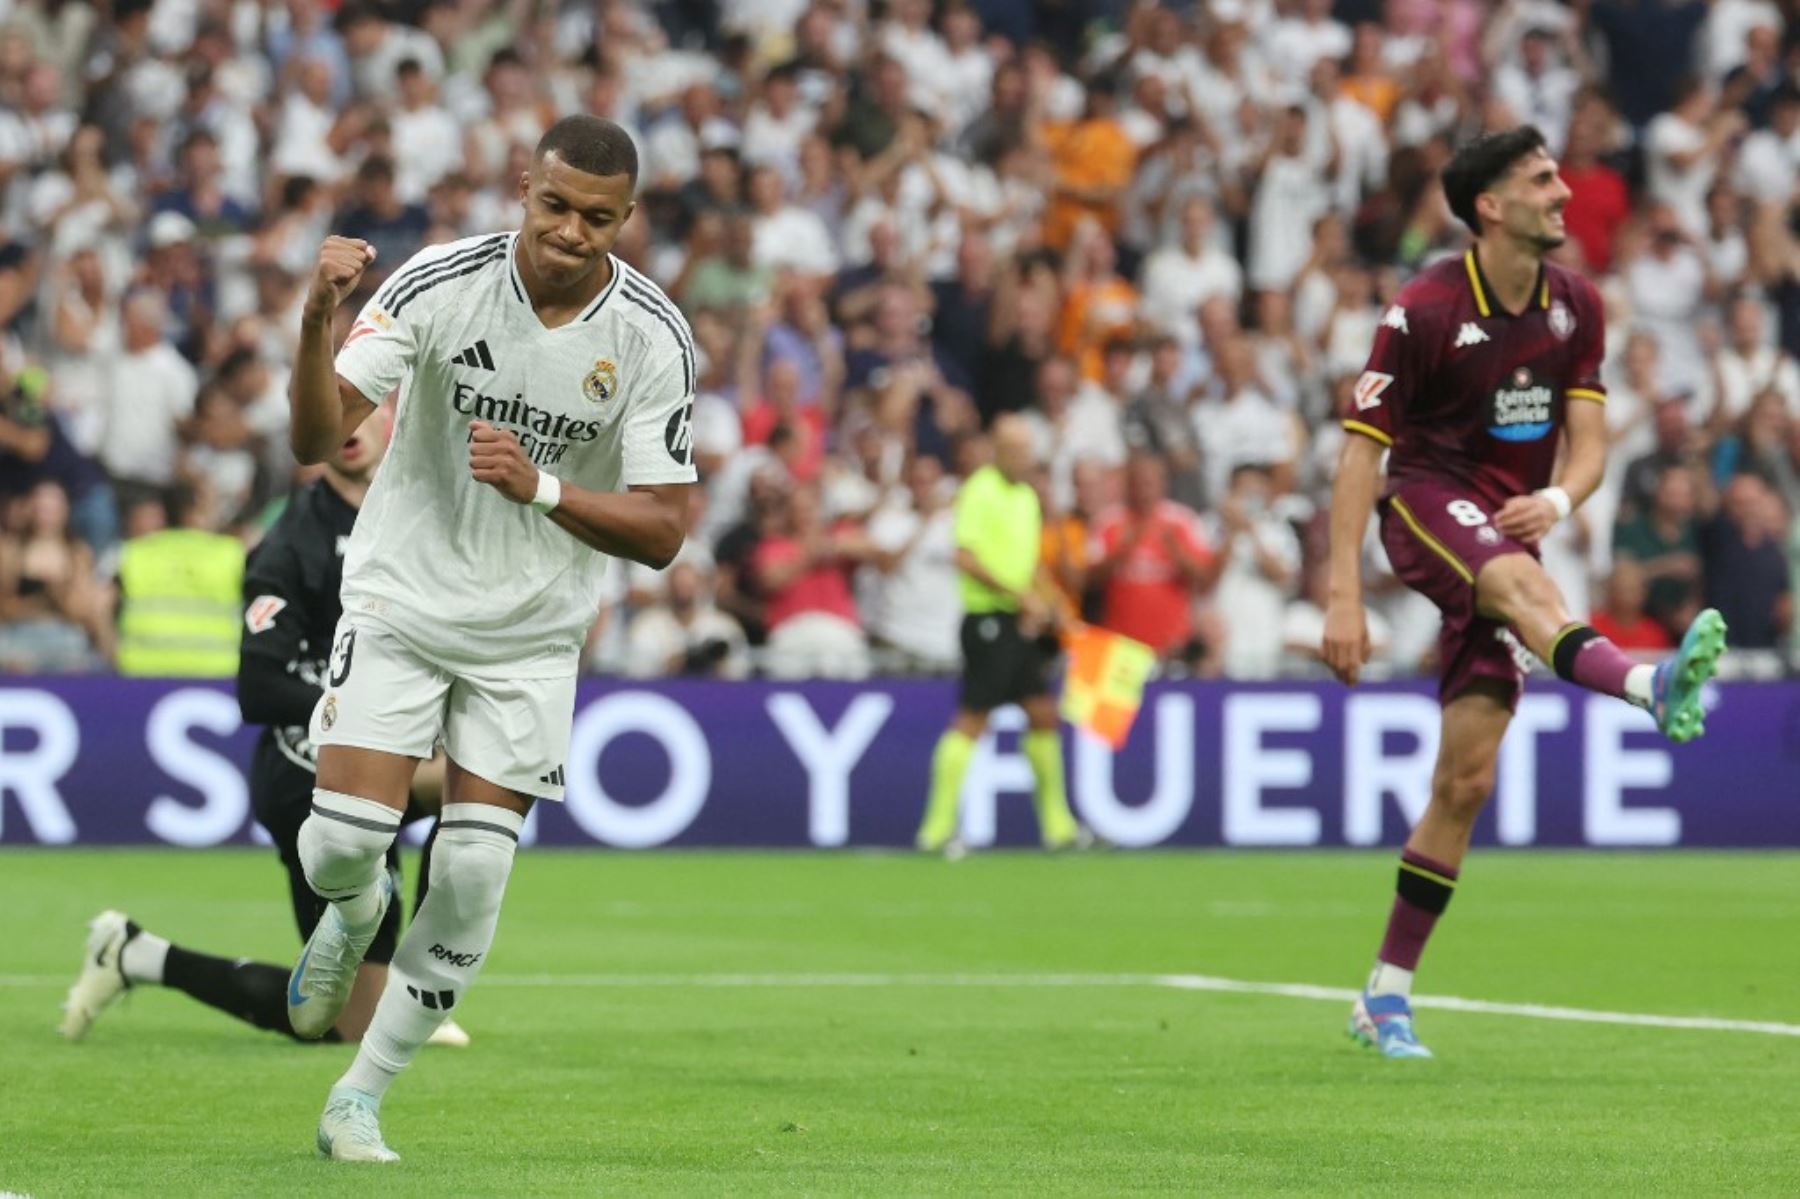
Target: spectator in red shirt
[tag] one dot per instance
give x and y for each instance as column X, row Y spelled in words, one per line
column 1600, row 201
column 1623, row 621
column 1150, row 560
column 802, row 570
column 780, row 405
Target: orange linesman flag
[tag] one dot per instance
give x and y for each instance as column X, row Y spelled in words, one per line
column 1105, row 684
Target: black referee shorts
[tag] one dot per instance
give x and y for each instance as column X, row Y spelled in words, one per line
column 281, row 796
column 1000, row 664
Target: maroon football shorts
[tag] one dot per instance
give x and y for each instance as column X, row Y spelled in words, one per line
column 1438, row 537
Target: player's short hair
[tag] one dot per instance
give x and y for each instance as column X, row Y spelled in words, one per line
column 592, row 145
column 1481, row 163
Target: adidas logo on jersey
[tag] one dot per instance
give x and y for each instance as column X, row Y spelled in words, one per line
column 1469, row 335
column 475, row 355
column 554, row 778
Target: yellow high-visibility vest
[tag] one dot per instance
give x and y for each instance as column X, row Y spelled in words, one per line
column 183, row 597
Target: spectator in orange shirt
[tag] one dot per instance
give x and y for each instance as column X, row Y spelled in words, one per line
column 1150, row 559
column 1090, row 163
column 1067, row 533
column 1099, row 304
column 1368, row 80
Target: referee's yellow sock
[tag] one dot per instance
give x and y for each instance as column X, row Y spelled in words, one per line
column 1043, row 749
column 949, row 762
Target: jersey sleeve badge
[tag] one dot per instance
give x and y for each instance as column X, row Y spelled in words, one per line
column 260, row 616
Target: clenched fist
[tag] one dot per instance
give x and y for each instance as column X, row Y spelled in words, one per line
column 342, row 261
column 497, row 459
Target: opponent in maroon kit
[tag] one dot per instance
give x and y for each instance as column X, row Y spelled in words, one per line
column 1480, row 368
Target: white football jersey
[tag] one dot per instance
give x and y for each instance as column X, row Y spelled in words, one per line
column 604, row 402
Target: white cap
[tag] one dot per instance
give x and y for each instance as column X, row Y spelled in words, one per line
column 169, row 229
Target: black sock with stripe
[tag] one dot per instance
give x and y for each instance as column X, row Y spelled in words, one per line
column 254, row 992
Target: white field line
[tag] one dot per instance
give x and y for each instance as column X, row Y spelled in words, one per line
column 1180, row 982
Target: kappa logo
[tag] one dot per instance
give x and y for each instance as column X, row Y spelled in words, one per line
column 678, row 435
column 1369, row 388
column 477, row 356
column 1469, row 335
column 1395, row 318
column 260, row 616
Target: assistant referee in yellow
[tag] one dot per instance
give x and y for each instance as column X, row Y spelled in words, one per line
column 1006, row 620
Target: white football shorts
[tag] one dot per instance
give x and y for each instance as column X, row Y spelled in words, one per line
column 381, row 693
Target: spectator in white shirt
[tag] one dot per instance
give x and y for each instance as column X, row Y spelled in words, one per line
column 1749, row 365
column 1768, row 163
column 778, row 124
column 1685, row 147
column 1538, row 87
column 1242, row 425
column 907, row 38
column 304, row 142
column 1179, row 278
column 1727, row 27
column 787, row 237
column 1297, row 42
column 913, row 606
column 1259, row 557
column 685, row 634
column 1291, row 193
column 378, row 46
column 428, row 142
column 150, row 393
column 1668, row 284
column 970, row 68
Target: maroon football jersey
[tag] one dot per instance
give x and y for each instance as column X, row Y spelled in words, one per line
column 1463, row 391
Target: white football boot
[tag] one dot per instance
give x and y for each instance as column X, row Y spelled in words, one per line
column 102, row 979
column 350, row 1128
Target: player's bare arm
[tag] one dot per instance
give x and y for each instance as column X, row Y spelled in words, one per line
column 1353, row 493
column 1528, row 518
column 325, row 410
column 645, row 524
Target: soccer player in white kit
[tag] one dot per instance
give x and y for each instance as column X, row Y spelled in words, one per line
column 544, row 428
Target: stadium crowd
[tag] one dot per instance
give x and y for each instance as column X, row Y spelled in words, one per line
column 1164, row 233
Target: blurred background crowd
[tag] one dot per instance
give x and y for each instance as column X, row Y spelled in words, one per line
column 1164, row 233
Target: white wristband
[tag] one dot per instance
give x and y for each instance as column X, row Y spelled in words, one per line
column 549, row 492
column 1559, row 499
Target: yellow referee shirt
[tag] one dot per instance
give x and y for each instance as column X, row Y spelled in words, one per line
column 1000, row 524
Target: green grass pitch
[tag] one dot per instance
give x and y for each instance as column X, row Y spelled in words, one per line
column 607, row 1059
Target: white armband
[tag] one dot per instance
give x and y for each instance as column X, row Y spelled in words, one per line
column 1559, row 499
column 549, row 492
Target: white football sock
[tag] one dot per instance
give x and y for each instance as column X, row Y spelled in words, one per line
column 1388, row 979
column 1638, row 682
column 143, row 956
column 450, row 936
column 342, row 846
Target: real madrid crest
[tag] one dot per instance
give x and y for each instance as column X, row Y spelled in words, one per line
column 328, row 717
column 1562, row 321
column 602, row 383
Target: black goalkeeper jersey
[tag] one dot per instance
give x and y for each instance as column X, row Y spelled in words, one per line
column 291, row 610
